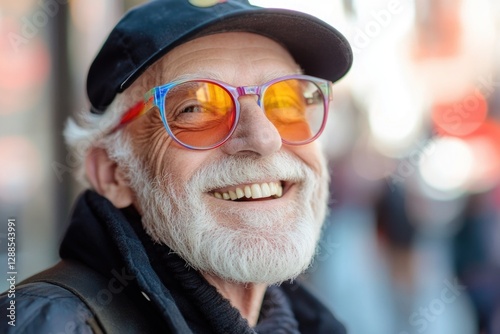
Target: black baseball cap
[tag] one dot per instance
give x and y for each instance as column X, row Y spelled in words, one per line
column 149, row 31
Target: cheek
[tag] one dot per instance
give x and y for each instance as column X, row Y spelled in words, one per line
column 147, row 130
column 150, row 142
column 162, row 156
column 312, row 156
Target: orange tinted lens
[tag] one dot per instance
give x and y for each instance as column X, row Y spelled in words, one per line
column 296, row 108
column 199, row 114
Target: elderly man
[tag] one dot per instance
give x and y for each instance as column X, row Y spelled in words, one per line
column 208, row 187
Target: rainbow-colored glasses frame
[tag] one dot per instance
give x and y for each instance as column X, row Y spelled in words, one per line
column 202, row 114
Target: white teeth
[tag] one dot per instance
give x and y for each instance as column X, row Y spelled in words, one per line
column 239, row 193
column 248, row 192
column 279, row 191
column 266, row 191
column 254, row 191
column 273, row 188
column 232, row 194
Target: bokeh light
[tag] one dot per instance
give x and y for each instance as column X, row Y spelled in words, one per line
column 449, row 167
column 395, row 121
column 461, row 117
column 485, row 146
column 24, row 67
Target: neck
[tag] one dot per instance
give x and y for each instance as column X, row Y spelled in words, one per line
column 247, row 298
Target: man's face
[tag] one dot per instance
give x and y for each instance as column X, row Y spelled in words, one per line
column 264, row 240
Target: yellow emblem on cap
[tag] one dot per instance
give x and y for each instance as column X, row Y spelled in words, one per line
column 205, row 3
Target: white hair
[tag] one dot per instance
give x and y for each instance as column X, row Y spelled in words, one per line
column 87, row 130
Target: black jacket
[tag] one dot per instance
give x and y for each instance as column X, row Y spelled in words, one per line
column 111, row 242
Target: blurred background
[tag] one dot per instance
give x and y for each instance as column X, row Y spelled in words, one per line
column 412, row 243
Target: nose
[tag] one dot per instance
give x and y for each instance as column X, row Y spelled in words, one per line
column 254, row 132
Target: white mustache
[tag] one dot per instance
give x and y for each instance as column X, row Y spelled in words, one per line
column 234, row 170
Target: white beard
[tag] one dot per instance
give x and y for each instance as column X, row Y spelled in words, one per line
column 256, row 246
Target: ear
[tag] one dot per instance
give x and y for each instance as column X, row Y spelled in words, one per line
column 107, row 178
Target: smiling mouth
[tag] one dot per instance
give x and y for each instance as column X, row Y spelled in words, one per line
column 265, row 190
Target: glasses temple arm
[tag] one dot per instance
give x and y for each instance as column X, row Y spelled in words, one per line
column 137, row 110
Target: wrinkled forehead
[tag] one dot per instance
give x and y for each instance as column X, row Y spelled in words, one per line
column 225, row 55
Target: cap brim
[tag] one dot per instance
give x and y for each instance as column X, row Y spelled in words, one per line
column 317, row 47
